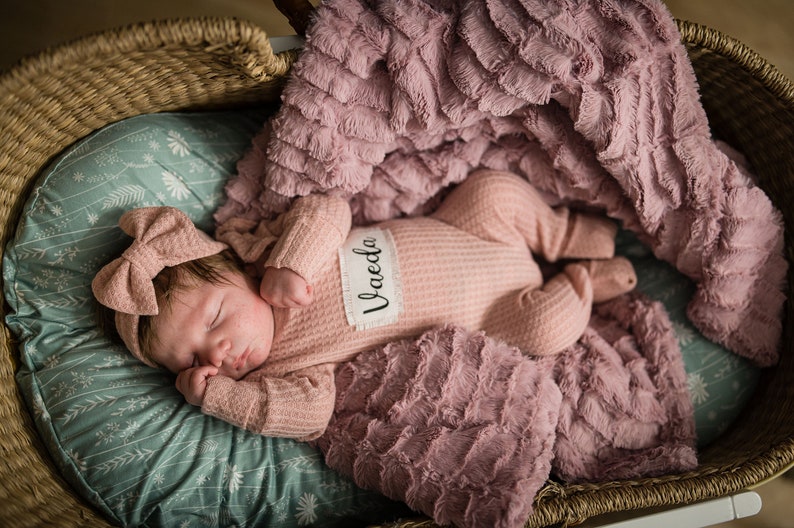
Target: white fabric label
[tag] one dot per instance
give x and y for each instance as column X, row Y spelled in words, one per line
column 371, row 283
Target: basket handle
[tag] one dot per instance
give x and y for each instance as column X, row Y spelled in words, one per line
column 298, row 13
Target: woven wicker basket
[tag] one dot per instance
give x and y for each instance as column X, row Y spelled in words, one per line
column 51, row 100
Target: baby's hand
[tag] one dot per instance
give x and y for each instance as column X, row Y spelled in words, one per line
column 192, row 383
column 283, row 288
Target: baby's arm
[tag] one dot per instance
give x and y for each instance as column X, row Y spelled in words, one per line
column 303, row 239
column 299, row 405
column 588, row 236
column 314, row 228
column 503, row 207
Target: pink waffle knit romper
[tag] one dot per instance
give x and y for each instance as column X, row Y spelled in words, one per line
column 470, row 263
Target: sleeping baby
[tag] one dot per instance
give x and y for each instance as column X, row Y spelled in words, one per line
column 261, row 354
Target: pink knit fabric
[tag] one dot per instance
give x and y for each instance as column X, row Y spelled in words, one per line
column 592, row 101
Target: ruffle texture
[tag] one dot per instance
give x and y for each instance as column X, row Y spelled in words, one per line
column 594, row 102
column 467, row 429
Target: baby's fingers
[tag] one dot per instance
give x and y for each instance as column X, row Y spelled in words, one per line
column 192, row 383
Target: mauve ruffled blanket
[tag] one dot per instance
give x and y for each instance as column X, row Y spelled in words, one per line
column 596, row 104
column 467, row 429
column 593, row 101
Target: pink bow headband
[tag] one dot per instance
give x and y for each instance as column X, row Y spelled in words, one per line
column 164, row 237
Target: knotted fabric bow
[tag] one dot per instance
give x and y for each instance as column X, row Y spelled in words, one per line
column 163, row 237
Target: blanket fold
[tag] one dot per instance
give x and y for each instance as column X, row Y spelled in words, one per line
column 467, row 429
column 593, row 102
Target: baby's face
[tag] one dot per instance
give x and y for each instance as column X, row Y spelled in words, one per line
column 228, row 326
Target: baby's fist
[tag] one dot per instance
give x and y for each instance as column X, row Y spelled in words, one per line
column 192, row 383
column 283, row 288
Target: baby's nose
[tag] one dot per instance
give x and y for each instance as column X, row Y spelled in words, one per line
column 219, row 352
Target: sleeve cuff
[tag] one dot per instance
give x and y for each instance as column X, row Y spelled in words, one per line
column 315, row 229
column 230, row 400
column 589, row 237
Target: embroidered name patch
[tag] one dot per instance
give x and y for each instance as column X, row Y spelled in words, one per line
column 371, row 285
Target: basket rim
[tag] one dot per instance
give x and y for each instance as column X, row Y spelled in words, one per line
column 156, row 33
column 210, row 31
column 694, row 34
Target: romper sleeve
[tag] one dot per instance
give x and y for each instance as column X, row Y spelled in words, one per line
column 560, row 233
column 298, row 405
column 313, row 230
column 588, row 236
column 302, row 239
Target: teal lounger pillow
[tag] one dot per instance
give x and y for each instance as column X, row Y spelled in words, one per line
column 119, row 431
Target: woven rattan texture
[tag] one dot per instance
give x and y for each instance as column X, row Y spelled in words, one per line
column 49, row 101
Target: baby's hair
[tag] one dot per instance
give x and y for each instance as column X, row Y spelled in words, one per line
column 168, row 282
